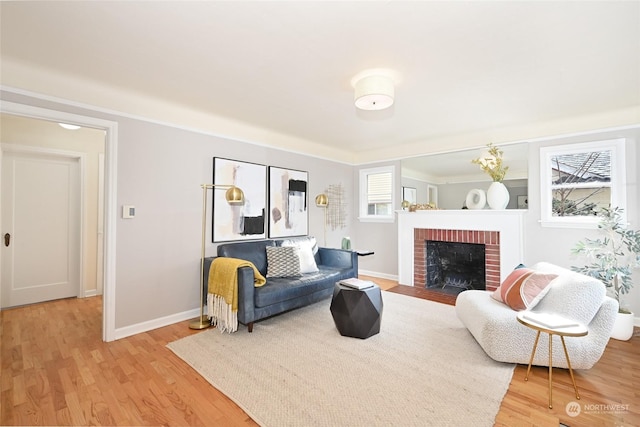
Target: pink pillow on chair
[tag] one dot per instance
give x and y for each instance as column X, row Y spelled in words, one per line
column 523, row 288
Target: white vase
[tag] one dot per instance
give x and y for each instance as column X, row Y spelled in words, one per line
column 497, row 196
column 623, row 327
column 476, row 199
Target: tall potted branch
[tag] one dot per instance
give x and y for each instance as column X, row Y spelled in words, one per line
column 613, row 257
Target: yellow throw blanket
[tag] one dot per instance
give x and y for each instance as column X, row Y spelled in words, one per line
column 222, row 300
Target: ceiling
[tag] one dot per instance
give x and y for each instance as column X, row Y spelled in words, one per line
column 465, row 68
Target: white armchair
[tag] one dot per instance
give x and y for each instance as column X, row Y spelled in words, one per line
column 572, row 295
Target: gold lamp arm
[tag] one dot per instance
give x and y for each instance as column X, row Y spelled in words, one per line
column 233, row 196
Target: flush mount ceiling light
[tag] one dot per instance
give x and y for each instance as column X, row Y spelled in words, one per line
column 374, row 89
column 69, row 127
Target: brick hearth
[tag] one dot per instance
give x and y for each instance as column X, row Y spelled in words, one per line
column 491, row 240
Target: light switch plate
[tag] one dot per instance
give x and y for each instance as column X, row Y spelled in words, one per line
column 128, row 211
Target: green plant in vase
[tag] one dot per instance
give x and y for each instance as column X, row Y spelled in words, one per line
column 614, row 256
column 492, row 163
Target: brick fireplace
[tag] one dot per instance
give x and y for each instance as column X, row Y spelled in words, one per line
column 490, row 240
column 501, row 231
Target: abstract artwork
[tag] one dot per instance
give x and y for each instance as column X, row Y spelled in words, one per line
column 288, row 202
column 337, row 208
column 241, row 222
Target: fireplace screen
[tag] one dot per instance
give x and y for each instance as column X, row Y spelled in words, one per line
column 453, row 267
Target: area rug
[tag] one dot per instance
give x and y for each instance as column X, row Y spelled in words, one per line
column 423, row 368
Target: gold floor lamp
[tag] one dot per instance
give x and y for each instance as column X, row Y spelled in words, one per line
column 234, row 196
column 322, row 201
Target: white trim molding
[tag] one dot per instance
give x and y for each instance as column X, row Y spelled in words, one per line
column 110, row 203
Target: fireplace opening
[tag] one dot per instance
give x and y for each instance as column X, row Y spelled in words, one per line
column 453, row 267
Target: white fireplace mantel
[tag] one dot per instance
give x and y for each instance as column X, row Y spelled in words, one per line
column 508, row 222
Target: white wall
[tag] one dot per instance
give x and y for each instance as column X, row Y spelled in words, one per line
column 160, row 169
column 541, row 244
column 379, row 237
column 555, row 244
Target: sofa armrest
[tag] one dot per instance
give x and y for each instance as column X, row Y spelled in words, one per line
column 246, row 292
column 205, row 278
column 339, row 258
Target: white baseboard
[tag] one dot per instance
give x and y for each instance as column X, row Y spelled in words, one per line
column 138, row 328
column 377, row 274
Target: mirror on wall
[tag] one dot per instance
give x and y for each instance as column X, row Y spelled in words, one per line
column 446, row 178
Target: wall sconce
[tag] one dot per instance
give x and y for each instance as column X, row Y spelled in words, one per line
column 233, row 196
column 322, row 201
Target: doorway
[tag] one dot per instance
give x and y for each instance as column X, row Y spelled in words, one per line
column 106, row 251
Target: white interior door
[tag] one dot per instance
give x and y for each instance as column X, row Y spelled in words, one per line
column 41, row 227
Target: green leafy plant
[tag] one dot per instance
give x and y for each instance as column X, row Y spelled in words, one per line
column 614, row 256
column 492, row 164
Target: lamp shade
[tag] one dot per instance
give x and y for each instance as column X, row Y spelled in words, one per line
column 374, row 92
column 322, row 200
column 234, row 196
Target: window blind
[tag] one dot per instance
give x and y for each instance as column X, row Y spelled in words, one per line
column 379, row 188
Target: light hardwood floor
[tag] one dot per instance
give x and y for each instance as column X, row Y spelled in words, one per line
column 57, row 371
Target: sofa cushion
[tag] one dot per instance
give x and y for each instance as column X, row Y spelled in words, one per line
column 283, row 261
column 307, row 247
column 279, row 289
column 251, row 251
column 300, row 241
column 571, row 294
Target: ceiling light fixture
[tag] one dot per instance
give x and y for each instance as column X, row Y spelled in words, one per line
column 374, row 89
column 69, row 127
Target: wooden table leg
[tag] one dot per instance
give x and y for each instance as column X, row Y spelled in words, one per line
column 573, row 380
column 533, row 353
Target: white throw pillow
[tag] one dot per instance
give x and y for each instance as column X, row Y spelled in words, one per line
column 307, row 261
column 305, row 253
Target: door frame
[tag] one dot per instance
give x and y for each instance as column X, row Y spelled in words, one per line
column 52, row 153
column 110, row 196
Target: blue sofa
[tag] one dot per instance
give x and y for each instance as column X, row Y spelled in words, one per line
column 281, row 294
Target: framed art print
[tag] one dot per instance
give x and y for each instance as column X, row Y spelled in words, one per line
column 410, row 194
column 288, row 202
column 241, row 222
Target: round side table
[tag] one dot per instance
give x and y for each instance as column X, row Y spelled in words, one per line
column 552, row 325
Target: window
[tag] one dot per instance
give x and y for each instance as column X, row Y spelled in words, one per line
column 377, row 194
column 578, row 179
